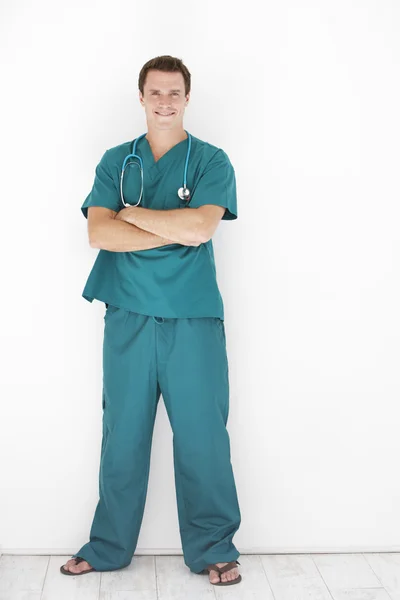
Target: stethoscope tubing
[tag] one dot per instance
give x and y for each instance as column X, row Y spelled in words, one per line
column 183, row 190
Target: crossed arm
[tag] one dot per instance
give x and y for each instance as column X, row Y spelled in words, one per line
column 190, row 226
column 154, row 228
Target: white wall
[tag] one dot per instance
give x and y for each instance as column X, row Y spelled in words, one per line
column 304, row 98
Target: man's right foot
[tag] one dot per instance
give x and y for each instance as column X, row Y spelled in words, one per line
column 76, row 568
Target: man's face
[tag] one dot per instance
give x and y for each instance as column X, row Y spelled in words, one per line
column 164, row 99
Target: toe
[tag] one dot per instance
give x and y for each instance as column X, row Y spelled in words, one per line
column 228, row 575
column 83, row 566
column 76, row 568
column 214, row 576
column 232, row 574
column 68, row 564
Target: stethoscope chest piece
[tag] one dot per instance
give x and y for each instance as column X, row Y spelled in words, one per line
column 184, row 193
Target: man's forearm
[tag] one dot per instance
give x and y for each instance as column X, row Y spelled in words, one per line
column 118, row 236
column 184, row 225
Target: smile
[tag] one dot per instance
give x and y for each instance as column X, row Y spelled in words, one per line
column 164, row 115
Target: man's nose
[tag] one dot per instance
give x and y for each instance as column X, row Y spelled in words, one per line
column 164, row 101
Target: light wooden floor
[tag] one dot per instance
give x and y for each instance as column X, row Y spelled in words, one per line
column 372, row 576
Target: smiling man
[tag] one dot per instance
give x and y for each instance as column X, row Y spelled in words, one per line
column 163, row 333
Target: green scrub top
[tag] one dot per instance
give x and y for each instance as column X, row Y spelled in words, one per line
column 172, row 281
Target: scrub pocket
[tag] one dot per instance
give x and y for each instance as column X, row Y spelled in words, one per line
column 221, row 327
column 110, row 309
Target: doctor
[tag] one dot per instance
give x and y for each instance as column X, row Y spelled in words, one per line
column 163, row 332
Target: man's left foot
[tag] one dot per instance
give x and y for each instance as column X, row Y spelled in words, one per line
column 215, row 577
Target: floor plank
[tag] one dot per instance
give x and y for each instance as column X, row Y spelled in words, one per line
column 69, row 587
column 138, row 578
column 176, row 582
column 22, row 577
column 294, row 576
column 386, row 566
column 353, row 576
column 349, row 577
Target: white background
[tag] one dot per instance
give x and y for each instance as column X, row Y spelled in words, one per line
column 304, row 97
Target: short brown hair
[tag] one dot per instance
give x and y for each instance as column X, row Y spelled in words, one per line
column 165, row 63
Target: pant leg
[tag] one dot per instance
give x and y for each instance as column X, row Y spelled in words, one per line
column 194, row 382
column 130, row 398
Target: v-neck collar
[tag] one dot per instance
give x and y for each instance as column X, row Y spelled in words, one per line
column 154, row 168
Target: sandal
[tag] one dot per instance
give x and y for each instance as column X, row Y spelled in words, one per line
column 78, row 559
column 228, row 567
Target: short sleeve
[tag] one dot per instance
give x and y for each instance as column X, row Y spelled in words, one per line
column 217, row 185
column 104, row 191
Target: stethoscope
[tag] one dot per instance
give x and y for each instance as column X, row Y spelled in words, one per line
column 183, row 192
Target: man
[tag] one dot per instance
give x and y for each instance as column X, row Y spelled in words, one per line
column 164, row 333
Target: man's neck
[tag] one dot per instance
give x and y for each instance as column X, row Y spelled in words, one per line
column 162, row 141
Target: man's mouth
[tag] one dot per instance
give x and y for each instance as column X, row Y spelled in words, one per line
column 164, row 114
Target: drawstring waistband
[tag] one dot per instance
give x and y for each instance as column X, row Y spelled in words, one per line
column 158, row 322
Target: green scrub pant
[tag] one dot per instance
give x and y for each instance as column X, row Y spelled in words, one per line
column 185, row 359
